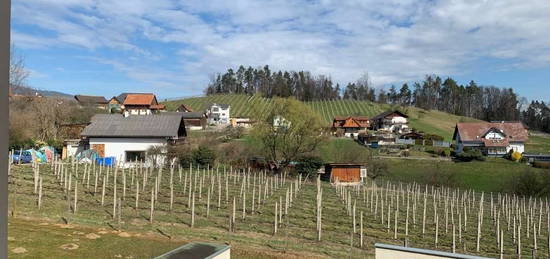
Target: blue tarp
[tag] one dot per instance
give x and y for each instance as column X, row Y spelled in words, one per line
column 106, row 161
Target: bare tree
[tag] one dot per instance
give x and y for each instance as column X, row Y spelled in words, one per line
column 18, row 73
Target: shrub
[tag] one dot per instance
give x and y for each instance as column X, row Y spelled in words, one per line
column 405, row 153
column 438, row 177
column 308, row 164
column 468, row 155
column 529, row 183
column 446, row 153
column 204, row 156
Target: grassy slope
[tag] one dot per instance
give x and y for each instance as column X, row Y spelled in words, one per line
column 434, row 122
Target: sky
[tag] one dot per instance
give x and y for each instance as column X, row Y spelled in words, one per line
column 173, row 48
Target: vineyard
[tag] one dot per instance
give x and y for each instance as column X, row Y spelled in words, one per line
column 295, row 215
column 434, row 122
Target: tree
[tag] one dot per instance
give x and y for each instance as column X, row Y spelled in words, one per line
column 18, row 73
column 204, row 156
column 308, row 164
column 376, row 168
column 298, row 132
column 405, row 95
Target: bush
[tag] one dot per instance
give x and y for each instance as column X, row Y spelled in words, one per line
column 530, row 183
column 446, row 153
column 233, row 133
column 437, row 177
column 204, row 156
column 308, row 164
column 405, row 153
column 468, row 155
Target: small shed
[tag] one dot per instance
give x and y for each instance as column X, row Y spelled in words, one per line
column 345, row 173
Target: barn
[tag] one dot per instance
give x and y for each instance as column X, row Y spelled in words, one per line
column 344, row 173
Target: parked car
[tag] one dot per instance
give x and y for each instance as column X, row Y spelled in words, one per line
column 25, row 157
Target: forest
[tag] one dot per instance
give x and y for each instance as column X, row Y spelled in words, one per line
column 489, row 103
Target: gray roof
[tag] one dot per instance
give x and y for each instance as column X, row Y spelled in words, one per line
column 116, row 125
column 89, row 99
column 193, row 115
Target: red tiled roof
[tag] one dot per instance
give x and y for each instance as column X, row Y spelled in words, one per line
column 139, row 99
column 351, row 122
column 475, row 131
column 157, row 107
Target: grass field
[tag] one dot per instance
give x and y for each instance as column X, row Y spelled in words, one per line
column 44, row 232
column 493, row 175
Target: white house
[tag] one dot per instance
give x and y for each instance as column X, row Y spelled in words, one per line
column 129, row 138
column 392, row 121
column 492, row 138
column 218, row 113
column 279, row 121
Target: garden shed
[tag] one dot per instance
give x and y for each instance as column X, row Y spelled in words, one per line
column 345, row 173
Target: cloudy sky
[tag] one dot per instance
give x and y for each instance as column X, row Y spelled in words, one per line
column 172, row 48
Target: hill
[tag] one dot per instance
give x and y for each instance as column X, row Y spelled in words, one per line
column 23, row 90
column 431, row 121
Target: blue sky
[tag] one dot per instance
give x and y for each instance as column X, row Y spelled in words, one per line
column 173, row 48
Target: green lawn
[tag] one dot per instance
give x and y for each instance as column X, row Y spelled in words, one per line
column 492, row 175
column 538, row 144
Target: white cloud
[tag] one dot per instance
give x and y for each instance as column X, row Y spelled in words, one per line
column 393, row 40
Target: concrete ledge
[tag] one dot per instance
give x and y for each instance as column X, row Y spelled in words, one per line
column 392, row 251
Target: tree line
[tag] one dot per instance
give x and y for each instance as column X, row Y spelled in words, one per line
column 487, row 103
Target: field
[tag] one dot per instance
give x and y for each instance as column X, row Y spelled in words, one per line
column 162, row 221
column 434, row 122
column 493, row 175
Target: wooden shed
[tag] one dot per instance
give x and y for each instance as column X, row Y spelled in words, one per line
column 347, row 173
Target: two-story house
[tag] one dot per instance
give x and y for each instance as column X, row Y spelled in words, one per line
column 392, row 121
column 218, row 113
column 491, row 138
column 350, row 126
column 139, row 103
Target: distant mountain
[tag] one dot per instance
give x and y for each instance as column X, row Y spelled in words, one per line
column 22, row 90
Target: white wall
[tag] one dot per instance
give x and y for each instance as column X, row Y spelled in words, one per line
column 494, row 135
column 399, row 119
column 516, row 147
column 117, row 147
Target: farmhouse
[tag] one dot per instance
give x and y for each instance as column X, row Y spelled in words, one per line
column 491, row 138
column 91, row 101
column 140, row 103
column 218, row 113
column 344, row 173
column 350, row 126
column 194, row 120
column 392, row 121
column 129, row 138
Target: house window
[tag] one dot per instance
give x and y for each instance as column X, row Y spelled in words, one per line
column 215, row 109
column 132, row 156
